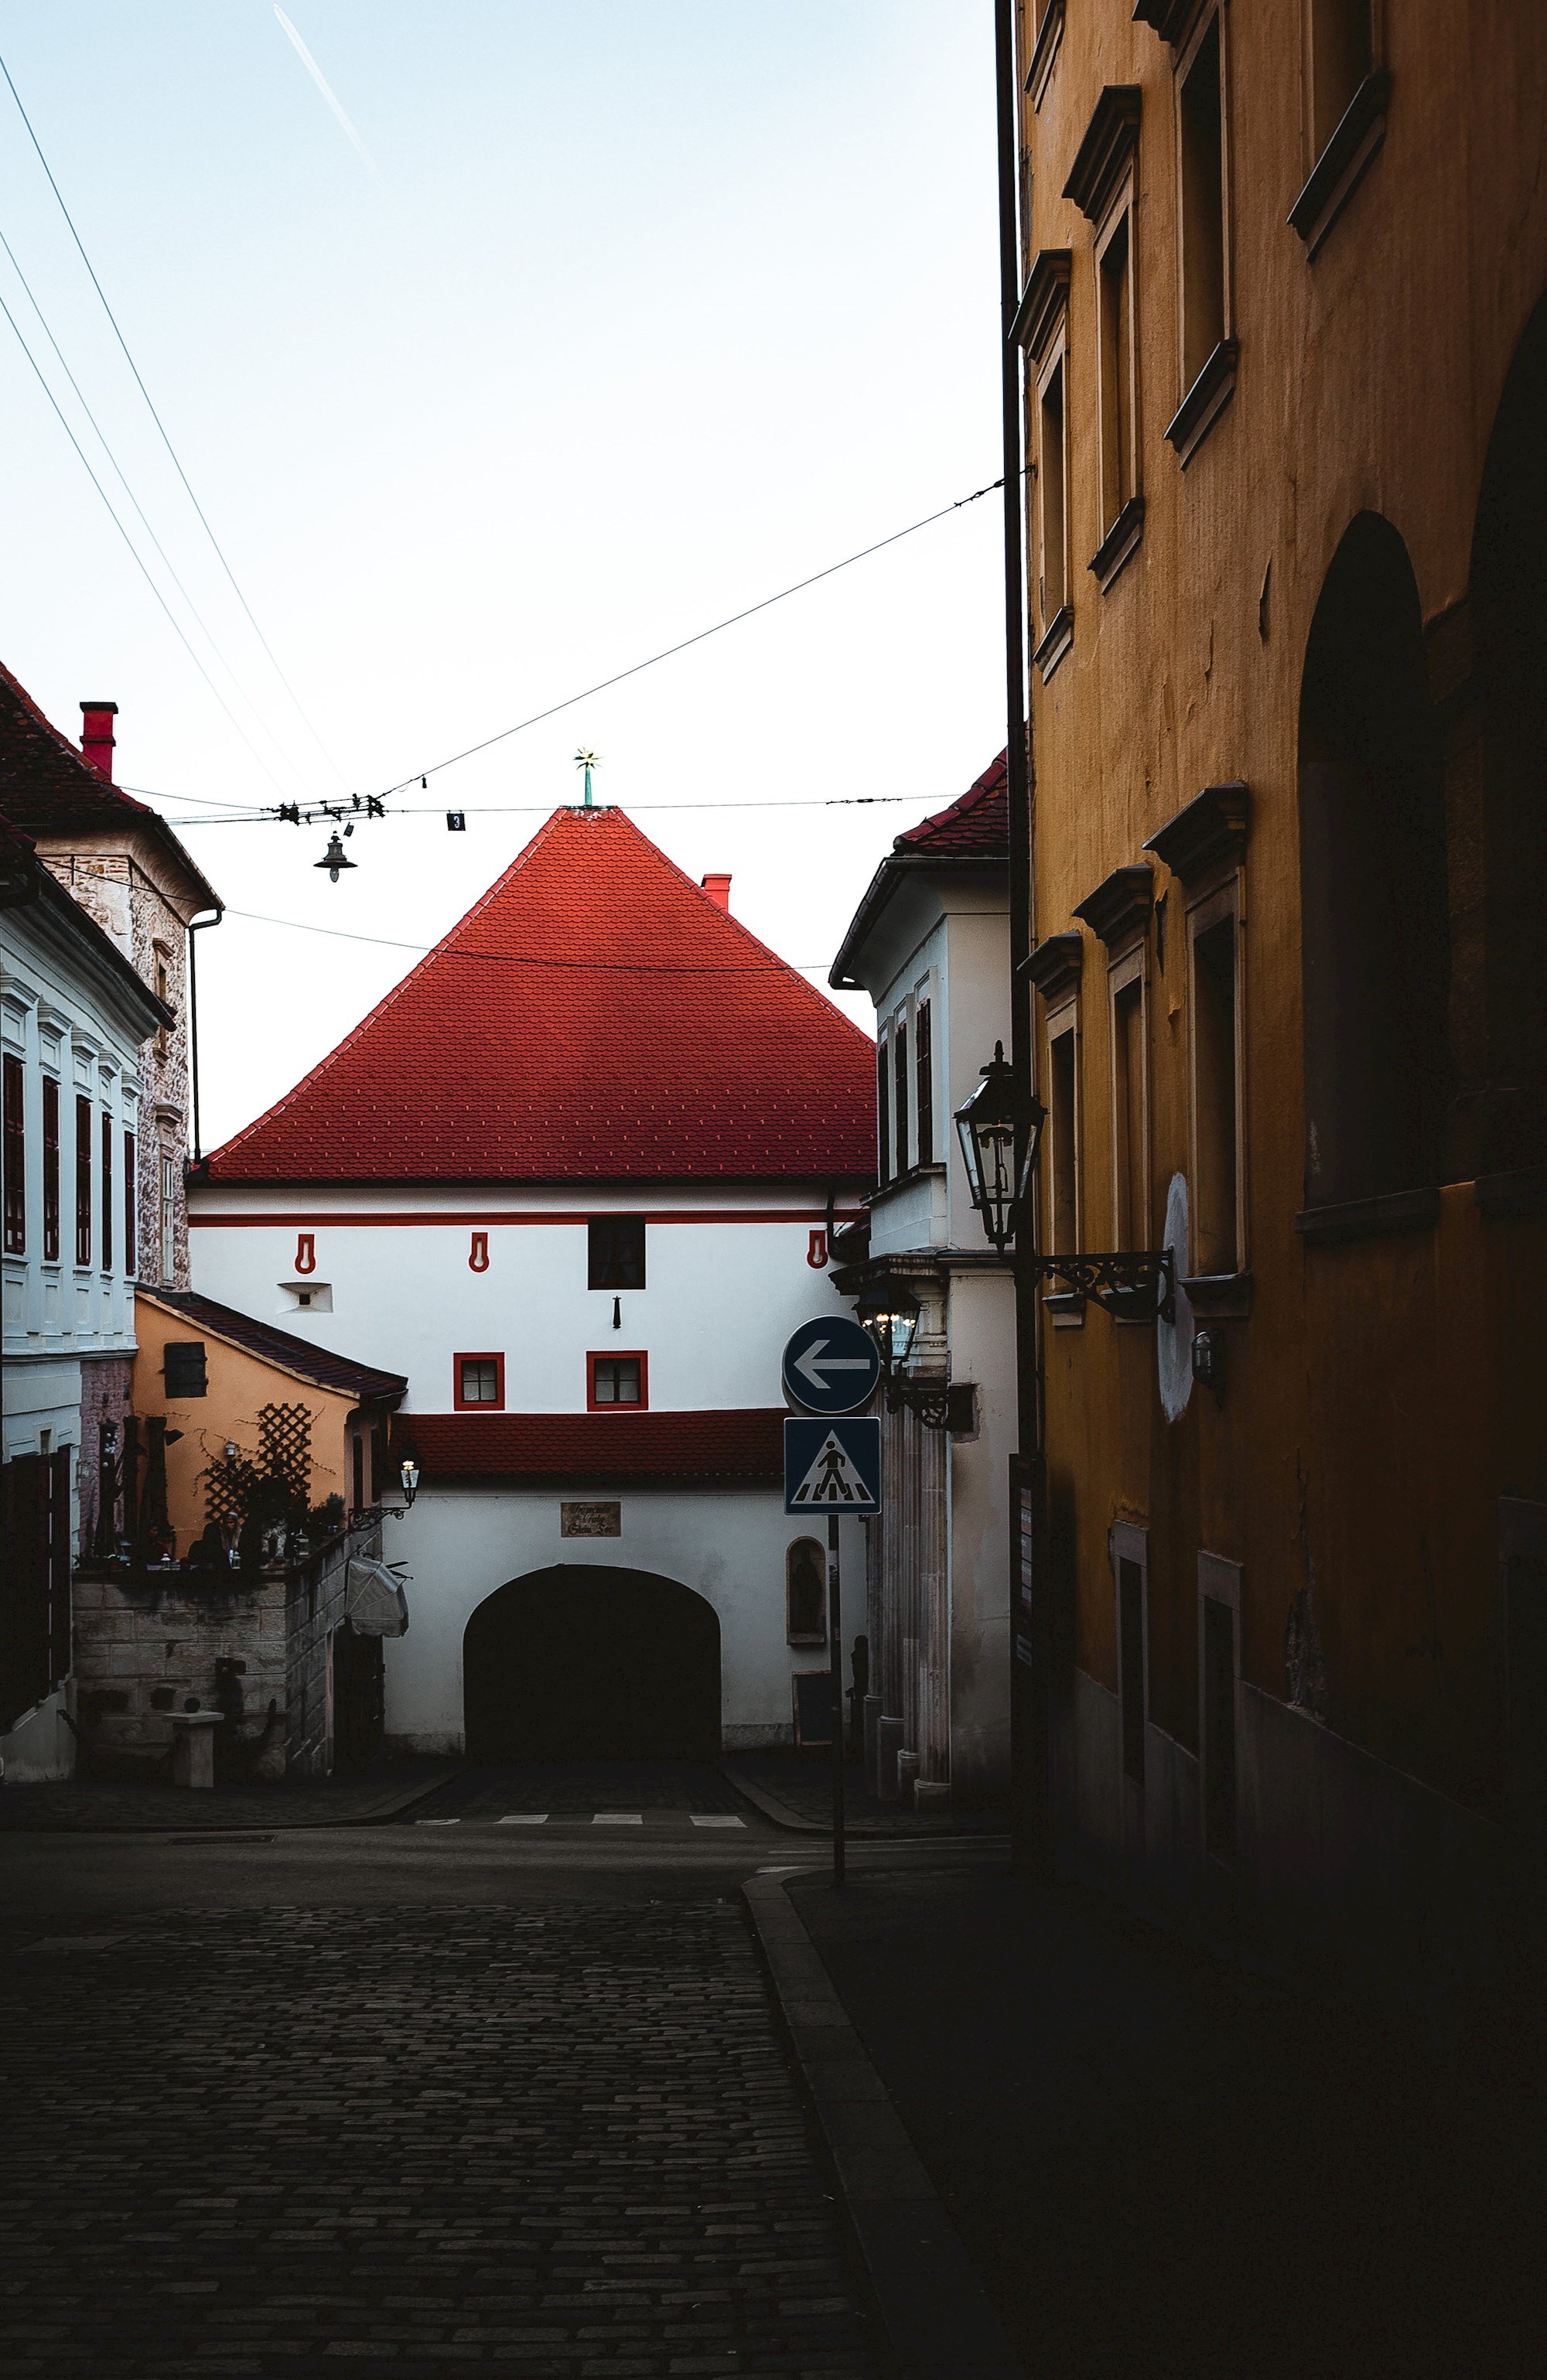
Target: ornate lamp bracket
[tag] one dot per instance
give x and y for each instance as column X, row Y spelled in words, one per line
column 1133, row 1284
column 930, row 1400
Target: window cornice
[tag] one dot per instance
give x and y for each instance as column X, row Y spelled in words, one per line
column 1102, row 159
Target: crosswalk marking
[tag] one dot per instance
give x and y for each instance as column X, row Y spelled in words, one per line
column 437, row 1822
column 717, row 1821
column 618, row 1818
column 525, row 1818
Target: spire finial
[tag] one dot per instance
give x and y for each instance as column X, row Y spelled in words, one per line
column 587, row 759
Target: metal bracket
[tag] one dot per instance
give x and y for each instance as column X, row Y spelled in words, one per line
column 1132, row 1285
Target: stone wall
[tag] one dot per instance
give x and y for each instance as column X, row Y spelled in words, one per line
column 149, row 1642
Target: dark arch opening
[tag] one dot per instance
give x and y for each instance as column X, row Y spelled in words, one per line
column 1509, row 606
column 1375, row 945
column 583, row 1661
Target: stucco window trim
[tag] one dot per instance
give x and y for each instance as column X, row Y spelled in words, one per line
column 1213, row 385
column 1126, row 970
column 1350, row 151
column 1046, row 43
column 1204, row 402
column 1224, row 902
column 1370, row 1218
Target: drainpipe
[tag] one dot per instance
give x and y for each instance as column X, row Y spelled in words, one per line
column 1029, row 1689
column 196, row 926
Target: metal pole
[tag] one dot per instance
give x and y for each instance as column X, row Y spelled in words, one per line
column 835, row 1659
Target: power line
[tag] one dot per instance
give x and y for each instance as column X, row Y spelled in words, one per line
column 546, row 809
column 528, row 958
column 162, row 428
column 201, row 622
column 138, row 558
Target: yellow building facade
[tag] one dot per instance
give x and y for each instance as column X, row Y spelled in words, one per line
column 1285, row 362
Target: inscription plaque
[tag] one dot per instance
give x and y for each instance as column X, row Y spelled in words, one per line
column 591, row 1520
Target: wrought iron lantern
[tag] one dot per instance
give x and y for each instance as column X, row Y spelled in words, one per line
column 988, row 1124
column 410, row 1474
column 891, row 1316
column 334, row 858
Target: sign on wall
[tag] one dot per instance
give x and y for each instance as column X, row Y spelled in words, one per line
column 831, row 1366
column 831, row 1466
column 591, row 1520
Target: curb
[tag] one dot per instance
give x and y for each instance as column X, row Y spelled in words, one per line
column 379, row 1814
column 868, row 1830
column 938, row 2321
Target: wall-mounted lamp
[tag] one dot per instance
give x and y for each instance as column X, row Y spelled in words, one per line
column 409, row 1476
column 890, row 1314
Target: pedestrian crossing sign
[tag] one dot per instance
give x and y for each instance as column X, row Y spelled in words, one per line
column 831, row 1466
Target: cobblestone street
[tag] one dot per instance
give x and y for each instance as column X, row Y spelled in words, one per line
column 550, row 2139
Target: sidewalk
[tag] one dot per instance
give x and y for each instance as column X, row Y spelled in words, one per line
column 795, row 1788
column 379, row 1792
column 1159, row 2164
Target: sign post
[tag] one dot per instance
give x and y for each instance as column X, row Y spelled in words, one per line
column 836, row 1627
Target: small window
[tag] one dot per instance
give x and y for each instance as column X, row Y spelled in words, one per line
column 613, row 1380
column 16, row 1157
column 899, row 1092
column 1216, row 1068
column 1063, row 1134
column 615, row 1252
column 478, row 1381
column 1119, row 408
column 924, row 1069
column 1129, row 1112
column 169, row 1219
column 51, row 1168
column 162, row 994
column 1342, row 53
column 83, row 1181
column 184, row 1370
column 1052, row 498
column 1202, row 206
column 131, row 1194
column 883, row 1112
column 806, row 1592
column 108, row 1137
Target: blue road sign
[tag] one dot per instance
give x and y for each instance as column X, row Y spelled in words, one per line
column 831, row 1466
column 831, row 1366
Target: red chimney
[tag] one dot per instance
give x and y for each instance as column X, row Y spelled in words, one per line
column 97, row 738
column 718, row 890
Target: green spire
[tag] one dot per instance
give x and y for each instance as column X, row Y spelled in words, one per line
column 588, row 760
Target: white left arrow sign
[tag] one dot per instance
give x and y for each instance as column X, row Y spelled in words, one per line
column 813, row 1368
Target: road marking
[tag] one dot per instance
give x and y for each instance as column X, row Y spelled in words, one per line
column 618, row 1818
column 785, row 1871
column 437, row 1822
column 525, row 1818
column 717, row 1821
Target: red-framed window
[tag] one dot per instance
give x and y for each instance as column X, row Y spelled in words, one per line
column 16, row 1157
column 617, row 1383
column 477, row 1383
column 132, row 1192
column 51, row 1168
column 107, row 1193
column 83, row 1181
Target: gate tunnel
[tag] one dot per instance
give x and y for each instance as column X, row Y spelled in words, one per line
column 583, row 1661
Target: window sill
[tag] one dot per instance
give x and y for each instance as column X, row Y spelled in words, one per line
column 1341, row 167
column 915, row 1174
column 1204, row 402
column 1219, row 1296
column 1066, row 1310
column 1119, row 544
column 1048, row 40
column 1056, row 643
column 1523, row 1191
column 1368, row 1219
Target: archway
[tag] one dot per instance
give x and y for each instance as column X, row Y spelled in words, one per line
column 583, row 1661
column 1375, row 942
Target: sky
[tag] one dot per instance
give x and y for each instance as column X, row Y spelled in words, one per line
column 502, row 343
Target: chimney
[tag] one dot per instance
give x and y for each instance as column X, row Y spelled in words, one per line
column 97, row 738
column 718, row 890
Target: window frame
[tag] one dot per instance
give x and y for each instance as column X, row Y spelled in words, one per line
column 1117, row 411
column 1223, row 901
column 15, row 1103
column 1205, row 390
column 616, row 1356
column 1062, row 1018
column 1054, row 621
column 595, row 1271
column 85, row 1126
column 108, row 1137
column 883, row 1108
column 902, row 1106
column 53, row 1091
column 131, row 1201
column 1127, row 970
column 923, row 1074
column 169, row 1219
column 462, row 1403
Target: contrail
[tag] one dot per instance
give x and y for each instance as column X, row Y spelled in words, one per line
column 315, row 71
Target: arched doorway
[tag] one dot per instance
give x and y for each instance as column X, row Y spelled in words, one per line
column 1375, row 940
column 583, row 1661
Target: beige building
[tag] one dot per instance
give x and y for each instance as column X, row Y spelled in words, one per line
column 1284, row 349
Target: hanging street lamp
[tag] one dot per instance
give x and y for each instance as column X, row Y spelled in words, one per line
column 334, row 858
column 1131, row 1284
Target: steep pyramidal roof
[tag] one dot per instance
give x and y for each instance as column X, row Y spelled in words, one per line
column 594, row 1018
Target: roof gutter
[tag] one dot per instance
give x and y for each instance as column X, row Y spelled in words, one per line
column 841, row 977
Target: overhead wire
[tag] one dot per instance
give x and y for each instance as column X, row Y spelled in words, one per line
column 160, row 426
column 531, row 958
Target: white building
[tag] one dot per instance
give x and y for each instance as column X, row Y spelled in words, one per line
column 930, row 942
column 74, row 1016
column 576, row 1178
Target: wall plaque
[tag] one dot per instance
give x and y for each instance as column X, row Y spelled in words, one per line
column 591, row 1520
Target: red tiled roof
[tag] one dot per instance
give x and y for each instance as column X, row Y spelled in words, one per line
column 730, row 1449
column 594, row 1018
column 272, row 1345
column 50, row 789
column 976, row 827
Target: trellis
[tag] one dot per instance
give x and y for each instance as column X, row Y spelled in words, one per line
column 237, row 1487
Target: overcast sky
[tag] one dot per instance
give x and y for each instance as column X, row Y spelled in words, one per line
column 547, row 333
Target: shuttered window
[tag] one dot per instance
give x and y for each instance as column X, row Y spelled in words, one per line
column 83, row 1181
column 51, row 1168
column 15, row 1158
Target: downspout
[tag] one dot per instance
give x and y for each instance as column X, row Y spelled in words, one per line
column 196, row 926
column 1030, row 1685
